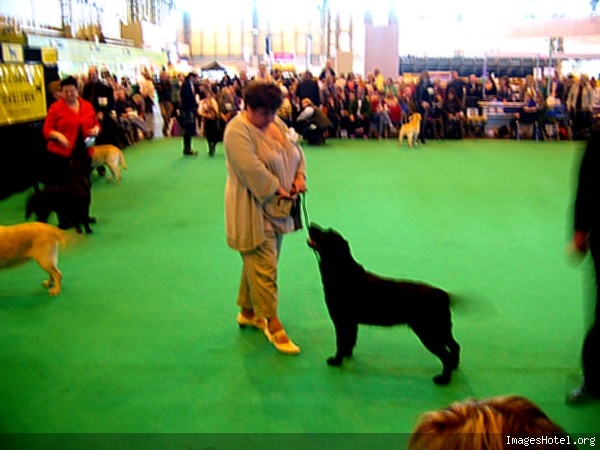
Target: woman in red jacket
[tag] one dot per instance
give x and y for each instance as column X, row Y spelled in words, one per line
column 66, row 118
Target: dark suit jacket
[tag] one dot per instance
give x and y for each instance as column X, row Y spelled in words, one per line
column 93, row 92
column 309, row 89
column 187, row 96
column 587, row 199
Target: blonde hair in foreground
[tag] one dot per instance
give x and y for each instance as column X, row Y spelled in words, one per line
column 486, row 425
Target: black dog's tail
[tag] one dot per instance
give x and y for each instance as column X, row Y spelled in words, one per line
column 471, row 303
column 458, row 301
column 455, row 299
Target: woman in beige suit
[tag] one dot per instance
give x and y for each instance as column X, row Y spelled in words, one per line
column 580, row 104
column 265, row 170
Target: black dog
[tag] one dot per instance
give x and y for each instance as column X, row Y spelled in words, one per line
column 71, row 208
column 70, row 198
column 355, row 296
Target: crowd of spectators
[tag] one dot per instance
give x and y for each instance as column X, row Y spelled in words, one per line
column 338, row 105
column 120, row 106
column 332, row 105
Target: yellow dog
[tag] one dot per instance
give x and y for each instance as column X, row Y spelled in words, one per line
column 110, row 156
column 410, row 130
column 33, row 240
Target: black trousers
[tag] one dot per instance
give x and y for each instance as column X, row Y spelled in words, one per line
column 189, row 129
column 314, row 136
column 582, row 121
column 424, row 118
column 590, row 354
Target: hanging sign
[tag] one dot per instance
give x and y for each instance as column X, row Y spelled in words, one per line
column 22, row 93
column 12, row 52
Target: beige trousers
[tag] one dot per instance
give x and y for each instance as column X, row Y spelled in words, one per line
column 258, row 286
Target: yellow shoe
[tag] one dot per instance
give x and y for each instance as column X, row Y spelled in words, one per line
column 257, row 322
column 282, row 342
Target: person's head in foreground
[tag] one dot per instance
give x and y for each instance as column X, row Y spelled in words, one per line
column 497, row 423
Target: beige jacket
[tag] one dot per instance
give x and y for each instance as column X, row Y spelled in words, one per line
column 587, row 97
column 256, row 167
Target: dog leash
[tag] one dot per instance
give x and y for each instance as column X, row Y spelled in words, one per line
column 304, row 208
column 304, row 211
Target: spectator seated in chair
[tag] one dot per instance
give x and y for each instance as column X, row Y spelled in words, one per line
column 436, row 117
column 453, row 115
column 359, row 113
column 528, row 118
column 555, row 119
column 286, row 111
column 381, row 122
column 394, row 110
column 127, row 114
column 313, row 125
column 333, row 110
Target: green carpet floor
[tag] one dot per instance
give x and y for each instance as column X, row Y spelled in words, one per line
column 143, row 338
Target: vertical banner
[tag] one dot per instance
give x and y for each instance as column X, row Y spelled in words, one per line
column 22, row 93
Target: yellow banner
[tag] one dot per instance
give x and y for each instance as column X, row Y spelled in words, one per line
column 49, row 55
column 22, row 93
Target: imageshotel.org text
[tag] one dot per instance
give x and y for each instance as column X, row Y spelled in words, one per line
column 550, row 440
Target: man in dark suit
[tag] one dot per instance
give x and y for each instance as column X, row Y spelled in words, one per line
column 188, row 104
column 585, row 221
column 459, row 86
column 423, row 101
column 474, row 93
column 308, row 87
column 101, row 95
column 327, row 71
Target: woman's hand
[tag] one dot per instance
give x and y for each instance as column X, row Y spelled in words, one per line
column 299, row 184
column 581, row 241
column 60, row 138
column 64, row 141
column 282, row 192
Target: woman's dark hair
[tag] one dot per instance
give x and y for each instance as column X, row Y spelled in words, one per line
column 260, row 94
column 69, row 81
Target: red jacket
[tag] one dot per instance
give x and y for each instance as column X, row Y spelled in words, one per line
column 62, row 118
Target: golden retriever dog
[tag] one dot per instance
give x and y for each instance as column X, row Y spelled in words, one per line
column 33, row 240
column 110, row 156
column 410, row 130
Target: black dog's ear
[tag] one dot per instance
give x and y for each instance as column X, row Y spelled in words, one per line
column 334, row 231
column 334, row 237
column 315, row 227
column 339, row 246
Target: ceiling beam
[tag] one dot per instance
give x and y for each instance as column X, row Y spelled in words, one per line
column 589, row 26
